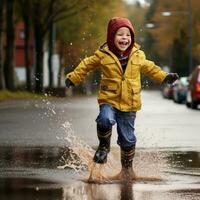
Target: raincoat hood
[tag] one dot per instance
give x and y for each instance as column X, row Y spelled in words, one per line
column 113, row 25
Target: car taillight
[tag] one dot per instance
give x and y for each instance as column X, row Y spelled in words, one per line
column 198, row 87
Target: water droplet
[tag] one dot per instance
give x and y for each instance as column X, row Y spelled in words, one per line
column 53, row 111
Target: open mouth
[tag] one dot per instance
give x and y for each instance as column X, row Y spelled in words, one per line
column 123, row 43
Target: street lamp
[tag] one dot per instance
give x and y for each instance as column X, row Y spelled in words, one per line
column 190, row 23
column 150, row 25
column 166, row 14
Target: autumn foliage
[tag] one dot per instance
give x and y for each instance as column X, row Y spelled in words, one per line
column 171, row 35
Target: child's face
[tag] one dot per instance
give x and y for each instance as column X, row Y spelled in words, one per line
column 122, row 39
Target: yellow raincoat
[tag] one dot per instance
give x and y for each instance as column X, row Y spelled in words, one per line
column 117, row 88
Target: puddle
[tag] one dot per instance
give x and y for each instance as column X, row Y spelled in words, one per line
column 62, row 172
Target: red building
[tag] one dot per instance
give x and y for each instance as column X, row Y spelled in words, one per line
column 19, row 52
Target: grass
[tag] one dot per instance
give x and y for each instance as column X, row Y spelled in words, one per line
column 8, row 95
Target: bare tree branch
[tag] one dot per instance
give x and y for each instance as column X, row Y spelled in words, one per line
column 59, row 15
column 69, row 14
column 59, row 11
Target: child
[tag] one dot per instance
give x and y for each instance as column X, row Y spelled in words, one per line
column 121, row 62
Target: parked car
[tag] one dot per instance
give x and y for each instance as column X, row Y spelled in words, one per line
column 193, row 93
column 180, row 88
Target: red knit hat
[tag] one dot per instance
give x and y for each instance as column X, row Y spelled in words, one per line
column 113, row 25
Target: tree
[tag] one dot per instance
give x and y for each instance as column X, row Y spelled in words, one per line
column 2, row 83
column 51, row 42
column 180, row 54
column 45, row 14
column 25, row 10
column 9, row 52
column 39, row 41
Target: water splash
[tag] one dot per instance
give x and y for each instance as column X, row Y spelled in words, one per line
column 79, row 157
column 77, row 154
column 148, row 165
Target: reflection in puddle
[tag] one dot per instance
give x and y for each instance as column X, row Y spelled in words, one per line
column 129, row 192
column 182, row 160
column 23, row 188
column 15, row 156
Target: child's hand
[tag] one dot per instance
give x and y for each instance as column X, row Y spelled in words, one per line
column 68, row 83
column 171, row 78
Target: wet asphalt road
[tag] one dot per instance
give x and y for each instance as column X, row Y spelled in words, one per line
column 32, row 142
column 160, row 123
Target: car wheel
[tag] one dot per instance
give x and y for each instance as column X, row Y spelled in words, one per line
column 178, row 99
column 175, row 97
column 188, row 99
column 194, row 105
column 188, row 104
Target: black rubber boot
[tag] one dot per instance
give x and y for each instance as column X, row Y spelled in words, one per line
column 127, row 155
column 104, row 146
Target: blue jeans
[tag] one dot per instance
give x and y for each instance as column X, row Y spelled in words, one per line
column 125, row 121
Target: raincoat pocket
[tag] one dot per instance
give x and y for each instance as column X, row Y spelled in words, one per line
column 108, row 85
column 108, row 89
